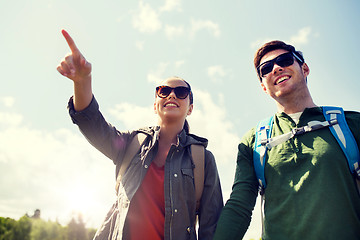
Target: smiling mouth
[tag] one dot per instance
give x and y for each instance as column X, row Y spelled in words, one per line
column 170, row 105
column 282, row 79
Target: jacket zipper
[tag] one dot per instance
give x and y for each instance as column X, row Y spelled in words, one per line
column 171, row 196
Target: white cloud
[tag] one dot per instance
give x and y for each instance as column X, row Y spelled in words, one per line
column 10, row 119
column 171, row 5
column 8, row 101
column 134, row 117
column 209, row 120
column 302, row 37
column 146, row 19
column 258, row 43
column 179, row 63
column 42, row 169
column 172, row 32
column 216, row 73
column 156, row 76
column 197, row 25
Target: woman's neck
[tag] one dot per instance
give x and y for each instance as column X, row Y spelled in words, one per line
column 169, row 132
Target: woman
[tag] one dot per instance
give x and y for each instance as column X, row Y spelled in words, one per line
column 156, row 197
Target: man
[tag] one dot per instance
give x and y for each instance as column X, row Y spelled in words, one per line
column 310, row 192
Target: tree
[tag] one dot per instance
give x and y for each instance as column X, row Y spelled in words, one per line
column 11, row 229
column 76, row 229
column 6, row 228
column 34, row 228
column 22, row 228
column 42, row 230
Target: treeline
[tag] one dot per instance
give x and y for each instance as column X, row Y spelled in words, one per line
column 34, row 228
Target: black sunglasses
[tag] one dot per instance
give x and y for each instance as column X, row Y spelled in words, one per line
column 180, row 92
column 283, row 60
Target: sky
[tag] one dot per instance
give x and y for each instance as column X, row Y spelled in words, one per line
column 45, row 162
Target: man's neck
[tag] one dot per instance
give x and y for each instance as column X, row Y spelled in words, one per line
column 290, row 106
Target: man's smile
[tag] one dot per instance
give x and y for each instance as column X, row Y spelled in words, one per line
column 282, row 79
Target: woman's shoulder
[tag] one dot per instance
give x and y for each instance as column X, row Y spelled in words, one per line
column 195, row 139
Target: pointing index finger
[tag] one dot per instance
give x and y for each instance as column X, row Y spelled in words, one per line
column 70, row 41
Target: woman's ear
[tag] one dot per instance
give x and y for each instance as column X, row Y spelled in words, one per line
column 191, row 107
column 155, row 109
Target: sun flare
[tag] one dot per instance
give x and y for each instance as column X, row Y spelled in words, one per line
column 81, row 199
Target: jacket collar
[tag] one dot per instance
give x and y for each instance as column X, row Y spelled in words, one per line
column 311, row 111
column 184, row 139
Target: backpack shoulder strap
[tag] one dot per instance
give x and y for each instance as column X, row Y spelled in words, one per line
column 262, row 133
column 345, row 138
column 198, row 156
column 131, row 150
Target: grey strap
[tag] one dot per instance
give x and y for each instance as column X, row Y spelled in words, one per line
column 311, row 126
column 198, row 156
column 131, row 150
column 337, row 128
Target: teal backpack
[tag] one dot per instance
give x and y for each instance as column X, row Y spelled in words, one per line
column 335, row 120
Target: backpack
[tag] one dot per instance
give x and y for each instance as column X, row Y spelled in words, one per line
column 335, row 120
column 197, row 154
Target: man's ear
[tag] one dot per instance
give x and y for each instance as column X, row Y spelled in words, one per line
column 306, row 70
column 263, row 86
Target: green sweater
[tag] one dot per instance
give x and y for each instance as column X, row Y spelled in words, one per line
column 310, row 192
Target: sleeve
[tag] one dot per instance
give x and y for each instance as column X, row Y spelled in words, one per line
column 236, row 214
column 102, row 135
column 211, row 200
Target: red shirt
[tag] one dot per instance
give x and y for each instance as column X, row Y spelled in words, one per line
column 146, row 214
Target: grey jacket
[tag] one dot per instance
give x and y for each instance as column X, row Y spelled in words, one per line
column 180, row 201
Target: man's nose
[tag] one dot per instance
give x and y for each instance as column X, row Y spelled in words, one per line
column 277, row 68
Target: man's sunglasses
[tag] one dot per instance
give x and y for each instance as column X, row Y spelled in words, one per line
column 180, row 92
column 283, row 60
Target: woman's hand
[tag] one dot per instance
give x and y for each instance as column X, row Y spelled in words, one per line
column 74, row 66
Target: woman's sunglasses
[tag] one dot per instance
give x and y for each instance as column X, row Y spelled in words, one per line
column 283, row 60
column 180, row 92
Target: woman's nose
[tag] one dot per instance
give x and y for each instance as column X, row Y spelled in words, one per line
column 172, row 94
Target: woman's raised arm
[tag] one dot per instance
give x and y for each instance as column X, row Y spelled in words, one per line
column 75, row 67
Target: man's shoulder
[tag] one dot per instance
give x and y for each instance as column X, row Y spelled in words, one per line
column 352, row 116
column 352, row 113
column 353, row 120
column 248, row 139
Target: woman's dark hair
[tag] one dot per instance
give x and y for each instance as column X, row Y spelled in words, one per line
column 191, row 98
column 186, row 127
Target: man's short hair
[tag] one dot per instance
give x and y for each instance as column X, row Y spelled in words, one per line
column 274, row 45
